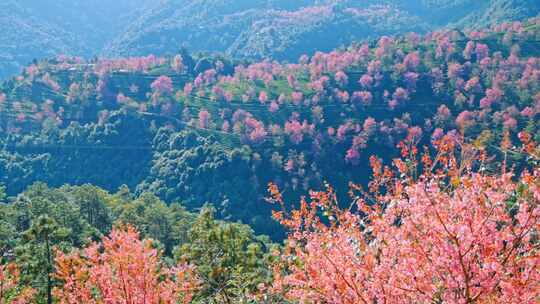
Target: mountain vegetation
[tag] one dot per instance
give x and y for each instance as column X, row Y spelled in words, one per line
column 41, row 29
column 285, row 30
column 275, row 29
column 177, row 126
column 41, row 223
column 399, row 169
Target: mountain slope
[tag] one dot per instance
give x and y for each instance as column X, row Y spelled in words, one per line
column 280, row 30
column 38, row 29
column 203, row 130
column 24, row 38
column 498, row 11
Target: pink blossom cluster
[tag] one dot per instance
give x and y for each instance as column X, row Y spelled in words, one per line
column 131, row 64
column 162, row 85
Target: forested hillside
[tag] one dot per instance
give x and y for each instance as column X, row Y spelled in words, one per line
column 276, row 29
column 40, row 29
column 196, row 130
column 285, row 30
column 399, row 168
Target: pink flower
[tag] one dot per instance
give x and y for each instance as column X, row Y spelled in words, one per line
column 258, row 135
column 218, row 92
column 370, row 126
column 49, row 81
column 32, row 71
column 228, row 96
column 331, row 131
column 401, row 94
column 437, row 134
column 414, row 134
column 443, row 114
column 198, row 82
column 472, row 84
column 297, row 97
column 510, row 123
column 393, row 104
column 528, row 112
column 412, row 61
column 291, row 80
column 343, row 130
column 485, row 63
column 493, row 95
column 177, row 64
column 352, row 156
column 188, row 89
column 469, row 49
column 384, row 46
column 21, row 117
column 121, row 99
column 209, row 76
column 366, row 81
column 464, row 119
column 341, row 78
column 320, row 84
column 162, row 85
column 410, row 79
column 204, row 119
column 343, row 96
column 364, row 97
column 294, row 129
column 485, row 103
column 429, row 234
column 482, row 51
column 226, row 126
column 274, row 107
column 374, row 67
column 263, row 97
column 289, row 165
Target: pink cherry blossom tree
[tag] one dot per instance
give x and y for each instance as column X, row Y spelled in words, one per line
column 162, row 85
column 442, row 234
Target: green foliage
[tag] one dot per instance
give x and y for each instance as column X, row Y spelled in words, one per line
column 7, row 230
column 58, row 27
column 41, row 201
column 93, row 205
column 79, row 154
column 277, row 29
column 196, row 170
column 2, row 193
column 230, row 260
column 168, row 224
column 285, row 30
column 41, row 220
column 35, row 255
